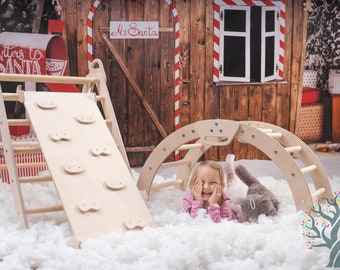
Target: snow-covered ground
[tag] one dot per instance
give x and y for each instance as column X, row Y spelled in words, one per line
column 178, row 242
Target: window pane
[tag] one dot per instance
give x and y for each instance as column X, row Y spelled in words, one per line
column 269, row 68
column 270, row 21
column 234, row 57
column 235, row 20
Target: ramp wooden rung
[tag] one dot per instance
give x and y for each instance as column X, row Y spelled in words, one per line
column 308, row 169
column 25, row 165
column 19, row 122
column 21, row 147
column 45, row 209
column 318, row 192
column 293, row 149
column 35, row 179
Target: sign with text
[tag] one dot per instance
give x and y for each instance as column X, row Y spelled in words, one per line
column 134, row 30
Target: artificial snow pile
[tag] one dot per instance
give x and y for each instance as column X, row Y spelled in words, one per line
column 179, row 242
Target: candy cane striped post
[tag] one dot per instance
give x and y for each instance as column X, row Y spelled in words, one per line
column 218, row 3
column 176, row 82
column 89, row 32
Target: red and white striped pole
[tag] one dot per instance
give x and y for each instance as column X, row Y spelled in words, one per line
column 176, row 68
column 89, row 32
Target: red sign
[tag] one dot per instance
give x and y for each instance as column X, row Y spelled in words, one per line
column 36, row 54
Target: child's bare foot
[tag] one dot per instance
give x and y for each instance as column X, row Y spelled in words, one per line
column 229, row 167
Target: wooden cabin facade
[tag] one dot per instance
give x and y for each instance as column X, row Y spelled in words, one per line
column 160, row 84
column 141, row 72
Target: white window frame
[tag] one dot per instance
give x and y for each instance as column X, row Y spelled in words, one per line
column 219, row 6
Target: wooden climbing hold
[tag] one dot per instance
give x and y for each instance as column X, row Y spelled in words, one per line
column 134, row 223
column 89, row 206
column 116, row 184
column 47, row 104
column 74, row 168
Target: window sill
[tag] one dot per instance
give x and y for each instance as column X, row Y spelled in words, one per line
column 227, row 83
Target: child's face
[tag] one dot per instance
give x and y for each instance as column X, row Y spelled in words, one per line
column 209, row 178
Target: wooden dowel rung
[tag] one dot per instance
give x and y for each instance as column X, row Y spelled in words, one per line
column 19, row 122
column 46, row 78
column 35, row 179
column 265, row 130
column 308, row 169
column 140, row 149
column 171, row 164
column 318, row 192
column 292, row 149
column 25, row 165
column 275, row 134
column 190, row 146
column 10, row 96
column 44, row 209
column 166, row 184
column 26, row 144
column 100, row 98
column 108, row 122
column 26, row 150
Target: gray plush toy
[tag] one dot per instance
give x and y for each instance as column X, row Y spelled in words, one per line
column 259, row 199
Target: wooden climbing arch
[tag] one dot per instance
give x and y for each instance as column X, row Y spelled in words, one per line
column 281, row 146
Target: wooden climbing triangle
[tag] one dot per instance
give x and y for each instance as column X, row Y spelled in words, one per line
column 84, row 155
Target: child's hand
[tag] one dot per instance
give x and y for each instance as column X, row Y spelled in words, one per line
column 197, row 191
column 216, row 196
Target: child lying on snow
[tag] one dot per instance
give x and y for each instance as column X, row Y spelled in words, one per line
column 206, row 185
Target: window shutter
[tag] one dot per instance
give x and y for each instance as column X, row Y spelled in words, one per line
column 269, row 44
column 235, row 44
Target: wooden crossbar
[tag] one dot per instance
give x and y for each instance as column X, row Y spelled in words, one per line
column 35, row 179
column 190, row 146
column 308, row 169
column 47, row 79
column 293, row 149
column 175, row 164
column 45, row 209
column 166, row 184
column 318, row 192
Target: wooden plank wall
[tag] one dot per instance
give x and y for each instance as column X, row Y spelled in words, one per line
column 151, row 64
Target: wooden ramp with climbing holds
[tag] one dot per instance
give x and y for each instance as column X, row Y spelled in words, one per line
column 84, row 159
column 93, row 182
column 283, row 147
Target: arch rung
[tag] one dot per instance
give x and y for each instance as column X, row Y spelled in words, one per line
column 308, row 169
column 175, row 163
column 318, row 192
column 166, row 184
column 190, row 146
column 275, row 134
column 270, row 132
column 293, row 149
column 266, row 130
